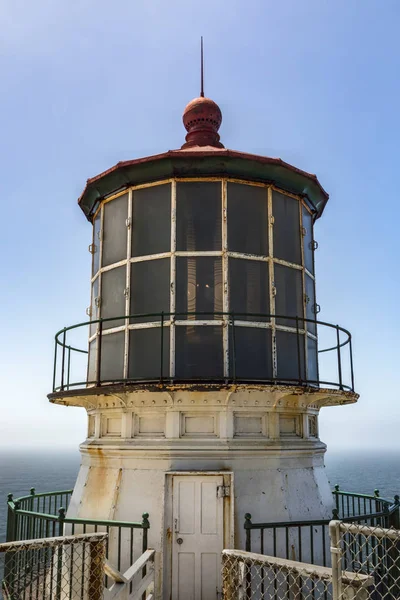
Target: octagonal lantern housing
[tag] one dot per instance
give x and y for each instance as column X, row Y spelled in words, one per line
column 207, row 278
column 203, row 271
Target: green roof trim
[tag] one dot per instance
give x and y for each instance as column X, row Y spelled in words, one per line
column 203, row 163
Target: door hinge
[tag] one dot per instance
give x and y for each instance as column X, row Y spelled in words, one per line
column 223, row 491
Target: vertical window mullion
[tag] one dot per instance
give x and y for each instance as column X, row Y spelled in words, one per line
column 128, row 282
column 173, row 280
column 272, row 281
column 225, row 281
column 303, row 325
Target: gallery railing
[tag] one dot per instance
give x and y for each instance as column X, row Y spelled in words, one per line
column 44, row 515
column 305, row 366
column 308, row 540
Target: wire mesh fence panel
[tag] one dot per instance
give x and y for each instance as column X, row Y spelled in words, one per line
column 371, row 555
column 249, row 576
column 62, row 568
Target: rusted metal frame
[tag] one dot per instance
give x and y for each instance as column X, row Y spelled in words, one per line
column 286, row 193
column 150, row 324
column 120, row 263
column 172, row 302
column 225, row 277
column 191, row 253
column 203, row 323
column 303, row 283
column 63, row 361
column 98, row 355
column 272, row 288
column 286, row 263
column 98, row 330
column 128, row 282
column 114, row 195
column 148, row 257
column 257, row 257
column 253, row 324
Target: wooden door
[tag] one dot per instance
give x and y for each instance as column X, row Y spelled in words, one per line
column 197, row 506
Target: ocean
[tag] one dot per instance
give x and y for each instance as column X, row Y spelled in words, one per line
column 52, row 470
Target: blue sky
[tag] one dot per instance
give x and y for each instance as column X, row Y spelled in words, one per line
column 86, row 83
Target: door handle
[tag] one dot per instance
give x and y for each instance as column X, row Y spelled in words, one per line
column 179, row 541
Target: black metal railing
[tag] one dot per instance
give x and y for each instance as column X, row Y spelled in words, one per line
column 303, row 368
column 27, row 519
column 308, row 541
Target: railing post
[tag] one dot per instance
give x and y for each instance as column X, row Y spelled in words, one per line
column 10, row 536
column 339, row 358
column 247, row 526
column 351, row 365
column 55, row 365
column 336, row 559
column 378, row 503
column 233, row 347
column 63, row 359
column 336, row 494
column 395, row 515
column 145, row 527
column 98, row 361
column 162, row 348
column 68, row 367
column 298, row 350
column 61, row 519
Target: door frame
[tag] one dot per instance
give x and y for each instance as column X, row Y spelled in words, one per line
column 228, row 520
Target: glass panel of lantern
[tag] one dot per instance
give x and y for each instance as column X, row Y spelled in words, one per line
column 94, row 306
column 96, row 243
column 286, row 228
column 112, row 356
column 150, row 285
column 91, row 376
column 247, row 219
column 198, row 216
column 198, row 287
column 290, row 356
column 113, row 284
column 289, row 295
column 151, row 220
column 250, row 353
column 145, row 353
column 312, row 360
column 114, row 230
column 248, row 289
column 308, row 241
column 199, row 353
column 310, row 304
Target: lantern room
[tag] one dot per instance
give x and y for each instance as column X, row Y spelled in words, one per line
column 206, row 278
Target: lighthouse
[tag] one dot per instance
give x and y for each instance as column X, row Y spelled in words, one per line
column 204, row 366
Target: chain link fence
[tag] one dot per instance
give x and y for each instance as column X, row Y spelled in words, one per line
column 372, row 554
column 249, row 576
column 60, row 568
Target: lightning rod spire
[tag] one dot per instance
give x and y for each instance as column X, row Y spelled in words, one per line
column 202, row 71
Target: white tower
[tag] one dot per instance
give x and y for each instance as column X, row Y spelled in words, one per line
column 203, row 383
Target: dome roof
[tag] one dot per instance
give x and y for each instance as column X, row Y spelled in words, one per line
column 202, row 119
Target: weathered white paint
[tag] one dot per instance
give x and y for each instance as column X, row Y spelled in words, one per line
column 258, row 440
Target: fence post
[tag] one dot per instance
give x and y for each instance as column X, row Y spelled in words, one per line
column 336, row 559
column 61, row 518
column 247, row 526
column 394, row 519
column 97, row 551
column 336, row 494
column 10, row 536
column 145, row 527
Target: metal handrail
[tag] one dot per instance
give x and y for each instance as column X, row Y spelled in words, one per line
column 308, row 535
column 230, row 318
